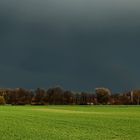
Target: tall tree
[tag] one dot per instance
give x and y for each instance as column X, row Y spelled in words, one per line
column 103, row 95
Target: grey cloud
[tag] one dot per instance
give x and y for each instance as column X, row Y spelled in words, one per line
column 78, row 44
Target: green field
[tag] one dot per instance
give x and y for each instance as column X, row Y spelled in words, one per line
column 69, row 123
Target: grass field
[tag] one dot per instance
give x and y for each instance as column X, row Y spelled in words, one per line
column 69, row 123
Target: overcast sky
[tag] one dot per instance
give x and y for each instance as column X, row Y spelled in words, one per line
column 78, row 44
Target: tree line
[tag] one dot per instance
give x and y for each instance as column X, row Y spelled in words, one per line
column 59, row 96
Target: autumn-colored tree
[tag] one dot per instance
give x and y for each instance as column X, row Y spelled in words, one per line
column 136, row 97
column 2, row 100
column 103, row 95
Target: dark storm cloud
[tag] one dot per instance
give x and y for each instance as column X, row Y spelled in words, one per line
column 78, row 44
